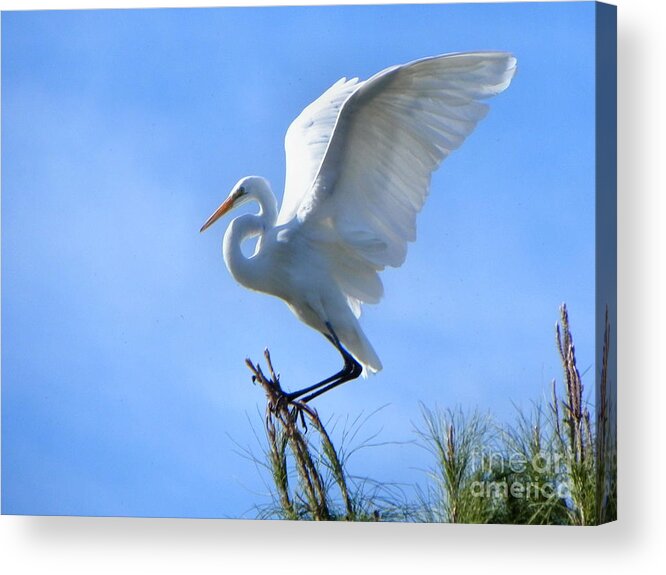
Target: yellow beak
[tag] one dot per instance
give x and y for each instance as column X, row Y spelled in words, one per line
column 219, row 212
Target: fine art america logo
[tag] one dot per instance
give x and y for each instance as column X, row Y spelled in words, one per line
column 519, row 476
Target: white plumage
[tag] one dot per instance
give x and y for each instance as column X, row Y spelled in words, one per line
column 359, row 163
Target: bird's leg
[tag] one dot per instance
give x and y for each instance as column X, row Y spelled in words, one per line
column 351, row 370
column 355, row 370
column 342, row 373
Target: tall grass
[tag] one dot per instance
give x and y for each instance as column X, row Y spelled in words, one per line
column 552, row 465
column 455, row 441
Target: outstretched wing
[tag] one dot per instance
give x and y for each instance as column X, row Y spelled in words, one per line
column 306, row 142
column 390, row 134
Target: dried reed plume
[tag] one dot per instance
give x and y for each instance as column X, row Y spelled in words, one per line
column 286, row 424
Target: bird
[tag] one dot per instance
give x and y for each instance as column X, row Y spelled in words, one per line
column 359, row 161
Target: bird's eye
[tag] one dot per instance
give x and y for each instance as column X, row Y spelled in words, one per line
column 241, row 190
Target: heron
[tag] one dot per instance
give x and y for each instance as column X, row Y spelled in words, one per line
column 359, row 161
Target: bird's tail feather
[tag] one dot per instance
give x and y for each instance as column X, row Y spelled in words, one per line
column 356, row 342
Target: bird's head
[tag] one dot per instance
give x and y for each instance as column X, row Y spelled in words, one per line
column 244, row 191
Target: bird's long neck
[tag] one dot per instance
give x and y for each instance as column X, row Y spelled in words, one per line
column 244, row 270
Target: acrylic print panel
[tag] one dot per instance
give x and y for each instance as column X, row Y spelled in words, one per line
column 125, row 390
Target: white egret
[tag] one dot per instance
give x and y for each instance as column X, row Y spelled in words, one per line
column 359, row 163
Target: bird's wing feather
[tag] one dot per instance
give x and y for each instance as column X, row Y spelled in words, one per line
column 306, row 142
column 391, row 133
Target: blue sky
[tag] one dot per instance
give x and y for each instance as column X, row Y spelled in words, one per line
column 124, row 389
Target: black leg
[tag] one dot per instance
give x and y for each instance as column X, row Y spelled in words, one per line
column 351, row 370
column 355, row 371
